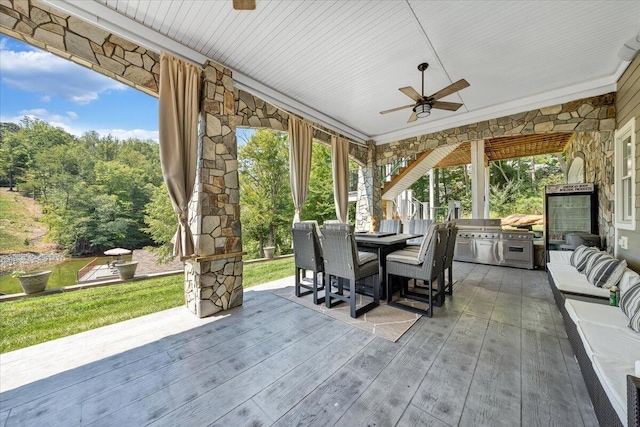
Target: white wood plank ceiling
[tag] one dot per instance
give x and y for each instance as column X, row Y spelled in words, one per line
column 347, row 59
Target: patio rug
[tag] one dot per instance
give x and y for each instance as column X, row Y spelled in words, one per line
column 384, row 321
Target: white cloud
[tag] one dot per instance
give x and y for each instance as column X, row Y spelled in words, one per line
column 43, row 72
column 65, row 121
column 130, row 133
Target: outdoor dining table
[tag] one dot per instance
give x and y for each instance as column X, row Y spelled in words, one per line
column 382, row 244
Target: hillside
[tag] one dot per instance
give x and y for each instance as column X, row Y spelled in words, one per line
column 20, row 226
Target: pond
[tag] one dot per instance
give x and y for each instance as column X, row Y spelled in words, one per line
column 63, row 273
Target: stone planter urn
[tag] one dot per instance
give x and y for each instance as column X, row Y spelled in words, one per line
column 33, row 283
column 127, row 270
column 269, row 251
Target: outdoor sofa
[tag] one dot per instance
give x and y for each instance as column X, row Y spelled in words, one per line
column 607, row 350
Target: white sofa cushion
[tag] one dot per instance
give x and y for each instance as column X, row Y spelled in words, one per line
column 613, row 378
column 582, row 311
column 602, row 340
column 560, row 257
column 567, row 279
column 629, row 278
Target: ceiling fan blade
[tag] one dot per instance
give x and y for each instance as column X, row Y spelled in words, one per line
column 411, row 93
column 451, row 106
column 396, row 109
column 452, row 88
column 244, row 4
column 413, row 118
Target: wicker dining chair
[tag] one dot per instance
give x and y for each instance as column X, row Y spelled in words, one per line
column 418, row 226
column 448, row 262
column 307, row 254
column 426, row 265
column 343, row 261
column 390, row 226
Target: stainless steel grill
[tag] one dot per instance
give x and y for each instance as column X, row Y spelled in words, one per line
column 482, row 241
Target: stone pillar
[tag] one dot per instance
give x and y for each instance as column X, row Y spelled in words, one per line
column 477, row 179
column 213, row 278
column 369, row 204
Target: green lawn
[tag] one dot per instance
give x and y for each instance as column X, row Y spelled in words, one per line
column 31, row 321
column 14, row 221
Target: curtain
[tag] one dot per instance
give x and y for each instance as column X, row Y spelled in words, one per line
column 178, row 128
column 340, row 167
column 300, row 137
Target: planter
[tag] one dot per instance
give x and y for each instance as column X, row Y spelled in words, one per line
column 34, row 282
column 127, row 270
column 269, row 251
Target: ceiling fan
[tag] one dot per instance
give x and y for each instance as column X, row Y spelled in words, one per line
column 424, row 104
column 244, row 4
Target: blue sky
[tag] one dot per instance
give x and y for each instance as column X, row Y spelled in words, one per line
column 38, row 84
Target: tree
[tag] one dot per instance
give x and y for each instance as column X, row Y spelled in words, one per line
column 265, row 196
column 14, row 156
column 161, row 222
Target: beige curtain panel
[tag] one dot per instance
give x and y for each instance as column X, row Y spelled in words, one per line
column 340, row 166
column 300, row 141
column 178, row 127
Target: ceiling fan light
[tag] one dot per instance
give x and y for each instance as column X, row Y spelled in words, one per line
column 422, row 110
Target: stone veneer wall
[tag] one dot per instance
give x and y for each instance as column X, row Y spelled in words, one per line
column 69, row 37
column 213, row 280
column 597, row 148
column 369, row 204
column 584, row 115
column 253, row 112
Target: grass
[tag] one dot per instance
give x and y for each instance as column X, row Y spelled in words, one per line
column 263, row 272
column 13, row 222
column 31, row 321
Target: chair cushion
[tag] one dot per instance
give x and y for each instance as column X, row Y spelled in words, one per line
column 405, row 256
column 603, row 314
column 630, row 301
column 613, row 378
column 580, row 260
column 365, row 257
column 606, row 272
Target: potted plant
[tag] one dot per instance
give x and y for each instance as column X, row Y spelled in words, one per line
column 269, row 251
column 32, row 282
column 127, row 270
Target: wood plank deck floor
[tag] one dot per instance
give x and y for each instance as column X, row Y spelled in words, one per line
column 496, row 354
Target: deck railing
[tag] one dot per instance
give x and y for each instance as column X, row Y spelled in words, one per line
column 84, row 270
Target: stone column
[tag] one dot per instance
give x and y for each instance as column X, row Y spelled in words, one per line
column 213, row 278
column 369, row 204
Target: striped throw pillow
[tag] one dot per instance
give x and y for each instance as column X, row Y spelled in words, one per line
column 635, row 322
column 581, row 258
column 630, row 300
column 577, row 255
column 588, row 258
column 606, row 272
column 593, row 259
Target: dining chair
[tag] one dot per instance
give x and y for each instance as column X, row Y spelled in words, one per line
column 448, row 262
column 427, row 265
column 307, row 253
column 418, row 226
column 390, row 226
column 343, row 261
